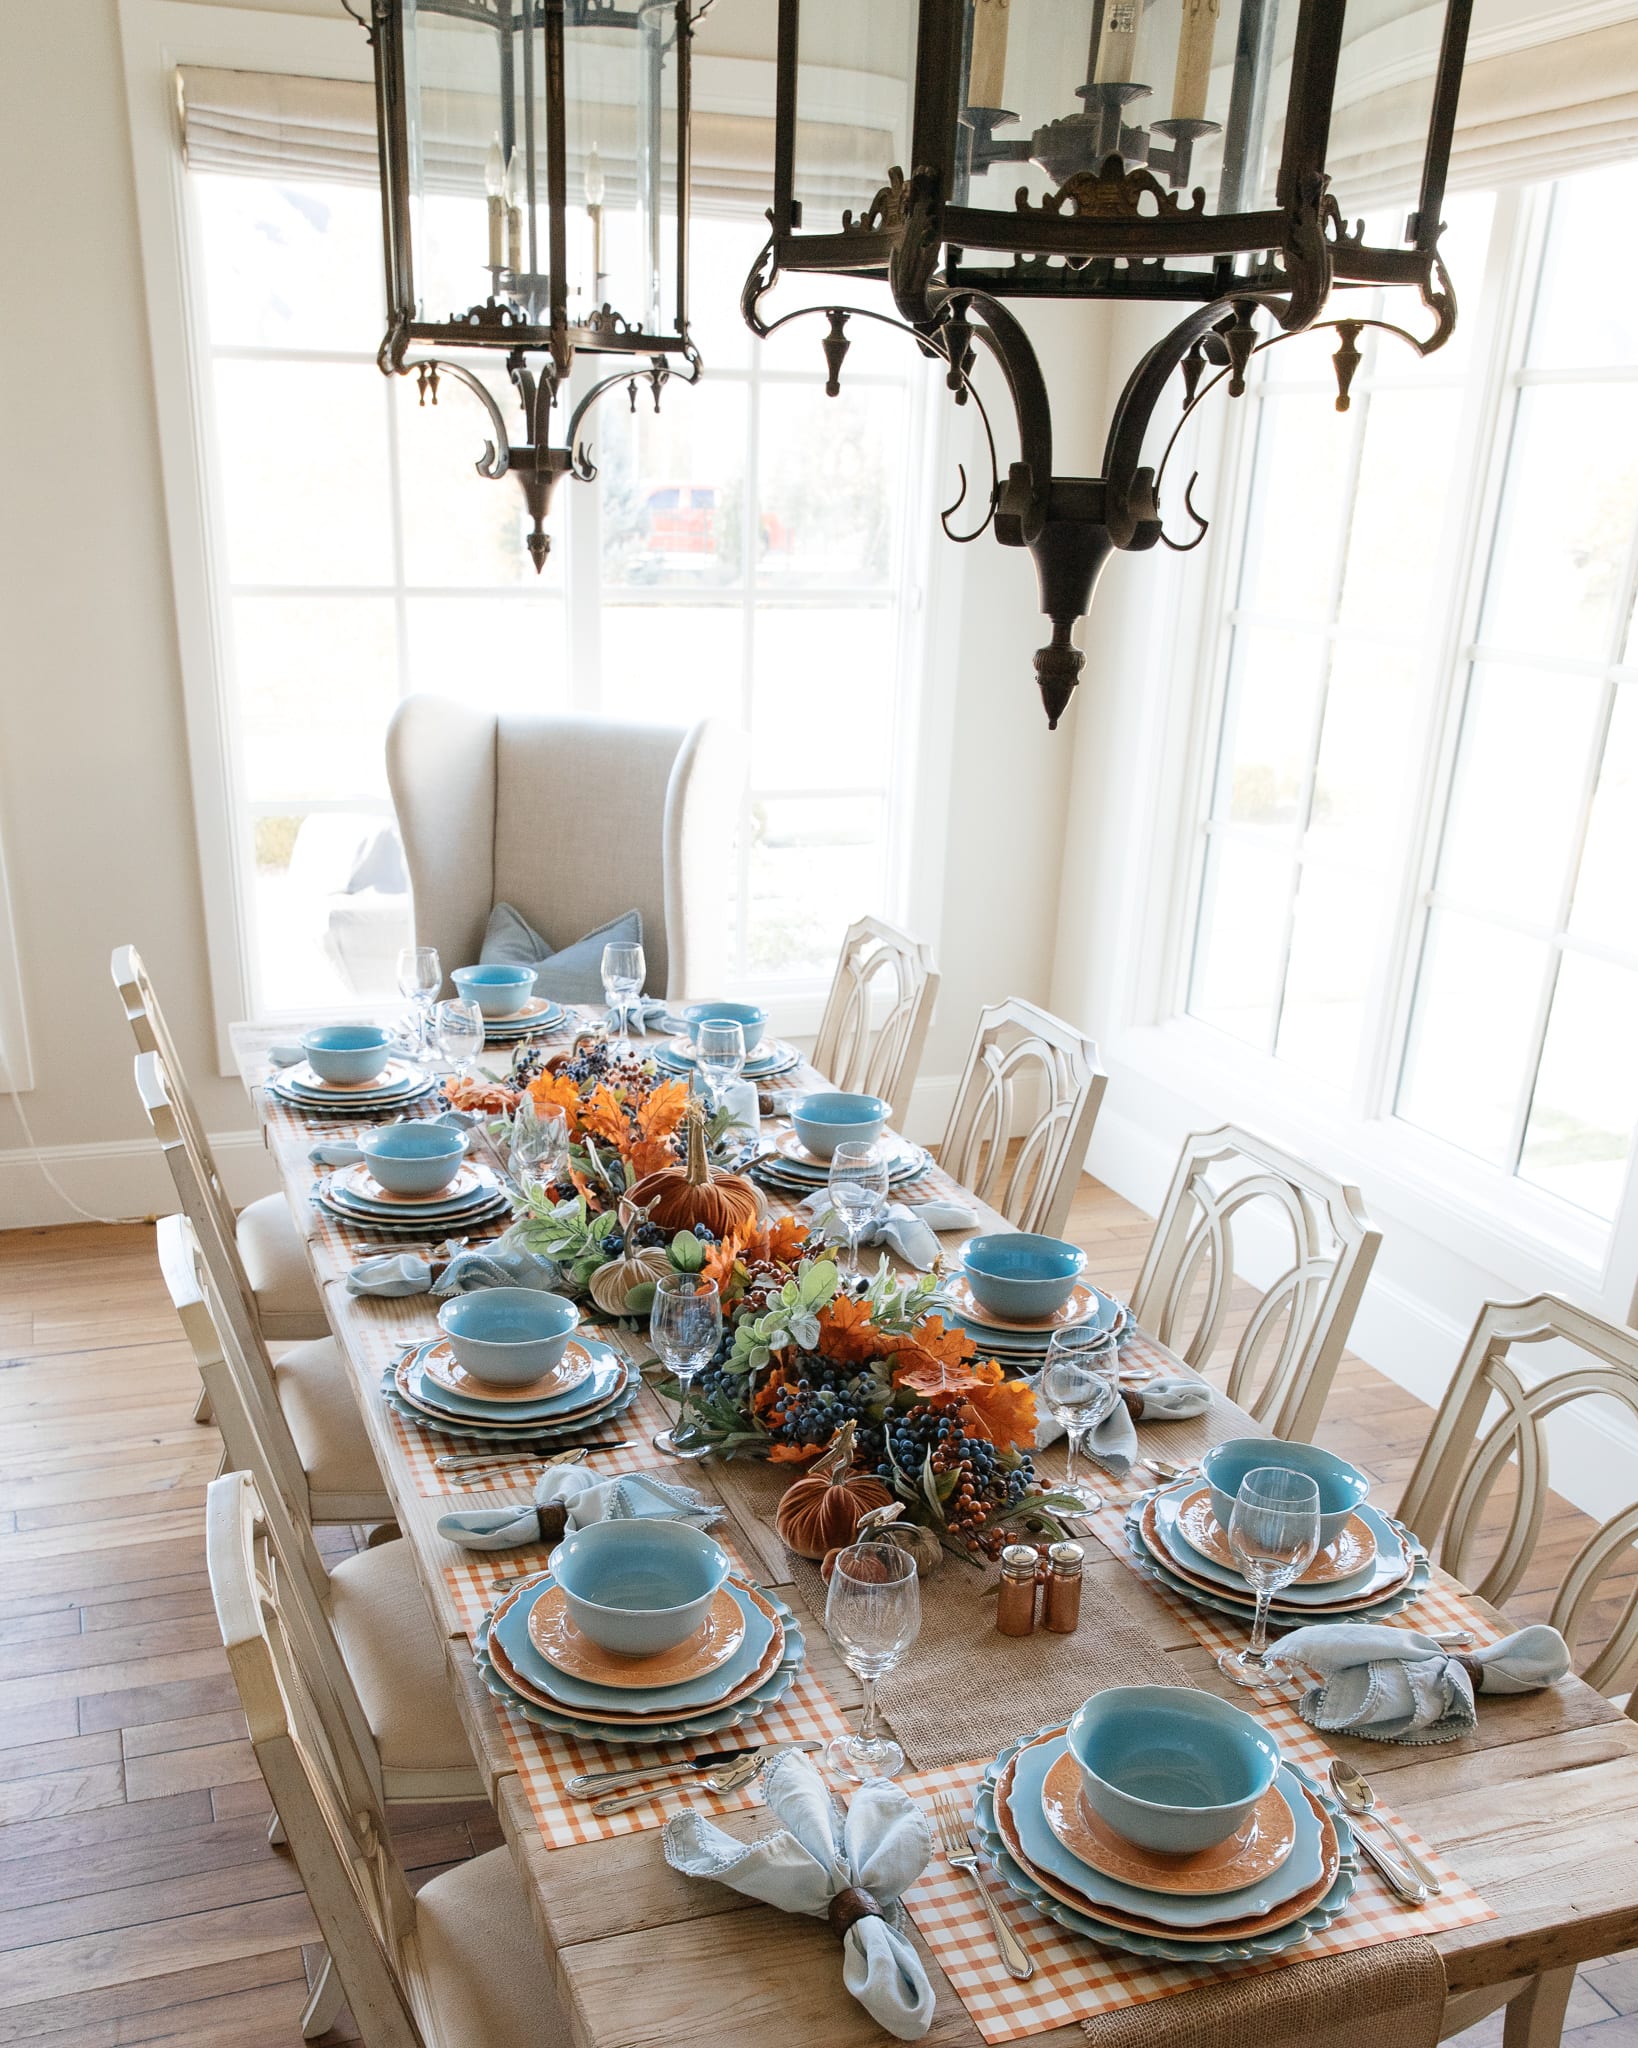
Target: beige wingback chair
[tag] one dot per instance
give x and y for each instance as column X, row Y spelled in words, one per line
column 573, row 820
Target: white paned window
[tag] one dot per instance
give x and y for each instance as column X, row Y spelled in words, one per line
column 743, row 554
column 1416, row 842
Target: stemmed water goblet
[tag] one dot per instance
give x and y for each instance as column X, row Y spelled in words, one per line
column 624, row 972
column 685, row 1328
column 458, row 1031
column 420, row 976
column 719, row 1058
column 1079, row 1386
column 872, row 1616
column 858, row 1191
column 1274, row 1535
column 538, row 1147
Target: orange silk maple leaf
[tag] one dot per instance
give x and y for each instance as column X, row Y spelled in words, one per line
column 1001, row 1409
column 555, row 1091
column 603, row 1117
column 648, row 1155
column 660, row 1115
column 847, row 1334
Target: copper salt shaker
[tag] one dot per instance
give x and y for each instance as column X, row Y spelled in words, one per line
column 1061, row 1598
column 1015, row 1601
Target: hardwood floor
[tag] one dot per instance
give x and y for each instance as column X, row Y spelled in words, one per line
column 139, row 1899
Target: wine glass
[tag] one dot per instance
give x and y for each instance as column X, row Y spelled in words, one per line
column 1274, row 1534
column 872, row 1615
column 858, row 1190
column 624, row 972
column 1079, row 1385
column 538, row 1150
column 457, row 1030
column 719, row 1057
column 685, row 1328
column 420, row 976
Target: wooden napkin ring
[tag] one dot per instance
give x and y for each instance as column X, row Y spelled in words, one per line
column 1473, row 1668
column 851, row 1904
column 1134, row 1403
column 554, row 1521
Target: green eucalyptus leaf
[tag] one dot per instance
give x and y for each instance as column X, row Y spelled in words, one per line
column 640, row 1299
column 687, row 1252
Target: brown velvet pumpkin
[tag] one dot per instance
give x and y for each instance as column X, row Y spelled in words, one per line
column 820, row 1512
column 678, row 1197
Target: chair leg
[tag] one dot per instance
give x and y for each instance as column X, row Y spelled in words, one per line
column 276, row 1835
column 383, row 1532
column 202, row 1410
column 328, row 1997
column 1535, row 2019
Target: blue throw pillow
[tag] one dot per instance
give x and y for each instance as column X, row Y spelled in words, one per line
column 574, row 975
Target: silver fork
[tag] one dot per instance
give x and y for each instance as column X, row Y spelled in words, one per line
column 960, row 1854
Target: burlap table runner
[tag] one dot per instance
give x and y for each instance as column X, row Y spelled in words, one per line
column 1391, row 1995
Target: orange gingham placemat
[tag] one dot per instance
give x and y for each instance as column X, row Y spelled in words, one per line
column 1076, row 1980
column 545, row 1761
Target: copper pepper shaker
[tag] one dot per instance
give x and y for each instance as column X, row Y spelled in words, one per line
column 1061, row 1599
column 1015, row 1601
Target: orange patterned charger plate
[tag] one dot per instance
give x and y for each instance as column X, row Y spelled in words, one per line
column 1352, row 1551
column 444, row 1370
column 1081, row 1304
column 555, row 1636
column 1261, row 1844
column 359, row 1181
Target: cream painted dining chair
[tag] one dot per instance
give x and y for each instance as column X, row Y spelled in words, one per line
column 458, row 1964
column 262, row 1240
column 1230, row 1181
column 573, row 821
column 1024, row 1062
column 852, row 1050
column 376, row 1646
column 331, row 1473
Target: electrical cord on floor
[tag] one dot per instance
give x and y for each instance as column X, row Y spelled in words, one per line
column 51, row 1180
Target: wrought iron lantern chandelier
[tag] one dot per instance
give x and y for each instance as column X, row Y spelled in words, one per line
column 534, row 195
column 1171, row 150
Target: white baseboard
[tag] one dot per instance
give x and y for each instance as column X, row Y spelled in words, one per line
column 120, row 1177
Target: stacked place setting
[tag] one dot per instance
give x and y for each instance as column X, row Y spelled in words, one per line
column 349, row 1070
column 414, row 1180
column 1364, row 1565
column 506, row 996
column 800, row 1160
column 639, row 1631
column 1016, row 1290
column 511, row 1366
column 1167, row 1823
column 764, row 1057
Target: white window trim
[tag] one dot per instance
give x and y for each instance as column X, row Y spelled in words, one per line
column 157, row 36
column 1478, row 1213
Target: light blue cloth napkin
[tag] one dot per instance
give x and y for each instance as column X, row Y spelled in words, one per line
column 585, row 1499
column 401, row 1273
column 1394, row 1685
column 881, row 1846
column 645, row 1014
column 343, row 1152
column 904, row 1231
column 285, row 1055
column 1113, row 1444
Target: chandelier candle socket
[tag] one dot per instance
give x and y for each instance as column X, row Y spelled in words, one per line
column 1219, row 196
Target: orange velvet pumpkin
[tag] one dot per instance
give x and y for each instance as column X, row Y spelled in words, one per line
column 678, row 1197
column 820, row 1512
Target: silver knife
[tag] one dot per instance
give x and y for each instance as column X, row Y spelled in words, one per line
column 1392, row 1873
column 593, row 1784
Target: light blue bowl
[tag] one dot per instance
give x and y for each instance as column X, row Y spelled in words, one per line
column 637, row 1587
column 1014, row 1273
column 1173, row 1770
column 825, row 1121
column 413, row 1159
column 1341, row 1486
column 508, row 1335
column 752, row 1021
column 347, row 1052
column 497, row 990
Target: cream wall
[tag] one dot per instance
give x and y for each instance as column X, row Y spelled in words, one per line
column 96, row 807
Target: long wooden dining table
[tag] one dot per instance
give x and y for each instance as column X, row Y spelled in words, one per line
column 1537, row 1808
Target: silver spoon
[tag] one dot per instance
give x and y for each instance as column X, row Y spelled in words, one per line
column 1163, row 1470
column 728, row 1780
column 1356, row 1795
